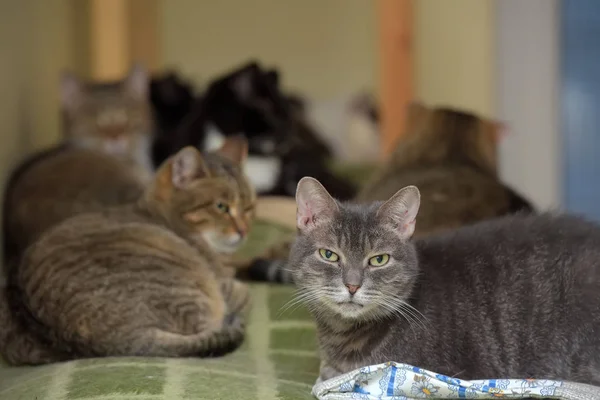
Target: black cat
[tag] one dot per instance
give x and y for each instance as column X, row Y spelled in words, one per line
column 282, row 146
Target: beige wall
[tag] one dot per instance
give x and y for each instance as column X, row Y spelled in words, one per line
column 34, row 47
column 29, row 69
column 324, row 47
column 454, row 53
column 327, row 48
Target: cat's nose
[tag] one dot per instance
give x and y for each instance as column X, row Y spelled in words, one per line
column 352, row 288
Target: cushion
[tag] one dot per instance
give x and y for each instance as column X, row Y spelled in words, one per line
column 277, row 361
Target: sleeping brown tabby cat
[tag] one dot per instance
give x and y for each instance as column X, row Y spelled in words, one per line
column 451, row 156
column 137, row 280
column 106, row 125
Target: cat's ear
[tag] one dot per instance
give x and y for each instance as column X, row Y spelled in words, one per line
column 362, row 103
column 272, row 76
column 314, row 204
column 416, row 113
column 244, row 82
column 71, row 91
column 499, row 130
column 235, row 149
column 187, row 166
column 401, row 211
column 137, row 83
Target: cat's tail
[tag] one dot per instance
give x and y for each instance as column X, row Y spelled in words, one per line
column 18, row 346
column 267, row 270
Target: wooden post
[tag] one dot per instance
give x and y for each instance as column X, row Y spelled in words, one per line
column 144, row 37
column 109, row 37
column 112, row 34
column 395, row 60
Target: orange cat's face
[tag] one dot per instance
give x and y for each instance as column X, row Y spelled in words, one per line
column 200, row 202
column 112, row 118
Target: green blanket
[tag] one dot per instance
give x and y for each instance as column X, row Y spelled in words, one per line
column 277, row 361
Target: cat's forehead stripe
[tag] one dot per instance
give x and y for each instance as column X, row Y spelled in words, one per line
column 354, row 228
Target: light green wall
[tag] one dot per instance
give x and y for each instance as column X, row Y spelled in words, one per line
column 324, row 47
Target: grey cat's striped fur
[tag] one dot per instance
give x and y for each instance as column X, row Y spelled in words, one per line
column 517, row 297
column 140, row 279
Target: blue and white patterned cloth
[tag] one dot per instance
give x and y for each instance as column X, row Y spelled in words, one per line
column 404, row 382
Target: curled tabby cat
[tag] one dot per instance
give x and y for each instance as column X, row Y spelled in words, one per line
column 106, row 125
column 139, row 279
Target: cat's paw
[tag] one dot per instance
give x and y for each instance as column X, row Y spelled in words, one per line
column 233, row 321
column 327, row 372
column 237, row 296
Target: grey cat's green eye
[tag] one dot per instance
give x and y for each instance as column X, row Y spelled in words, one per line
column 328, row 255
column 223, row 207
column 379, row 260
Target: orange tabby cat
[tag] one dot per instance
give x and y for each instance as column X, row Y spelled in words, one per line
column 135, row 280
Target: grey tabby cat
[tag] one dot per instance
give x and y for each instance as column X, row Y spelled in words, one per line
column 517, row 297
column 139, row 280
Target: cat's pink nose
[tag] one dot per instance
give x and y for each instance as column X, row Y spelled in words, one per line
column 352, row 288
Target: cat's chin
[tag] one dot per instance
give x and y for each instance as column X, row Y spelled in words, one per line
column 350, row 310
column 220, row 245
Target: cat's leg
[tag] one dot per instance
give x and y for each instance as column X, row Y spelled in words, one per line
column 221, row 330
column 327, row 372
column 237, row 296
column 237, row 300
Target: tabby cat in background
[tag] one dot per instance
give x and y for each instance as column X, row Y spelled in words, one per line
column 451, row 156
column 106, row 125
column 135, row 280
column 513, row 297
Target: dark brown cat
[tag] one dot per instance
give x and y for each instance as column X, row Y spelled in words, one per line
column 451, row 156
column 139, row 280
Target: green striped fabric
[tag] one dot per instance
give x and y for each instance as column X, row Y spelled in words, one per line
column 277, row 361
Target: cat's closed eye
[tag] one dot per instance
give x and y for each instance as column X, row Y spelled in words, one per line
column 222, row 207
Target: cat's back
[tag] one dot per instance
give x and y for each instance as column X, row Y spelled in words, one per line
column 111, row 245
column 75, row 173
column 60, row 183
column 451, row 196
column 548, row 243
